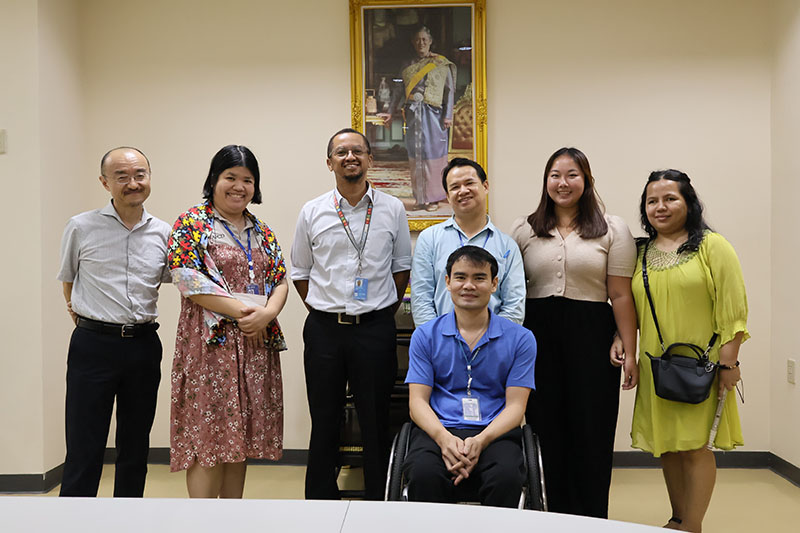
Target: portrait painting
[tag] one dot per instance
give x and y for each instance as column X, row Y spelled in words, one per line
column 418, row 76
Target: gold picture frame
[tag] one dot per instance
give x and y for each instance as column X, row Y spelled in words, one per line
column 418, row 74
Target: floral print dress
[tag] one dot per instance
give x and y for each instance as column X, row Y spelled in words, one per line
column 227, row 396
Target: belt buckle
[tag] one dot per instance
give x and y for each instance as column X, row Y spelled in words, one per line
column 349, row 320
column 122, row 331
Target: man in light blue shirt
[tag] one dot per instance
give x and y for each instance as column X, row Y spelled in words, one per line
column 465, row 183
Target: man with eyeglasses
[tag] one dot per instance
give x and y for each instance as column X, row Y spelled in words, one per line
column 113, row 261
column 351, row 258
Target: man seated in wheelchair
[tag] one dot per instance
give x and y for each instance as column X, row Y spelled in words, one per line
column 470, row 374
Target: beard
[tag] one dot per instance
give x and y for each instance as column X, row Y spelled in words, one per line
column 355, row 178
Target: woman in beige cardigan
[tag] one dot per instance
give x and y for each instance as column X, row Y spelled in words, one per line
column 576, row 258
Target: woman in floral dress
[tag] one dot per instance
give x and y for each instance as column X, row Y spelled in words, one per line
column 227, row 398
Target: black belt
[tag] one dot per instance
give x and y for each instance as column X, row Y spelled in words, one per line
column 120, row 330
column 353, row 320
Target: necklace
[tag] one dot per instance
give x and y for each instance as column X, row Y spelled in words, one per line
column 471, row 341
column 661, row 260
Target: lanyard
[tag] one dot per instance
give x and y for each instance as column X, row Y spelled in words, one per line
column 461, row 239
column 469, row 364
column 360, row 246
column 247, row 252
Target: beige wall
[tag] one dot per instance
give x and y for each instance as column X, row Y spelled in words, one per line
column 636, row 85
column 22, row 440
column 640, row 86
column 785, row 398
column 42, row 113
column 61, row 143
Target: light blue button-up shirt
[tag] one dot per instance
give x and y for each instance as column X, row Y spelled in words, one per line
column 429, row 295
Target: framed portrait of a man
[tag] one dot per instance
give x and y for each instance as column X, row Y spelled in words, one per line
column 419, row 95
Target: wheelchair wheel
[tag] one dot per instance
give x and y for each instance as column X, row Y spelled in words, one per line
column 536, row 498
column 397, row 458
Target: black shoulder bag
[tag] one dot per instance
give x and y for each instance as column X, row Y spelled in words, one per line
column 676, row 377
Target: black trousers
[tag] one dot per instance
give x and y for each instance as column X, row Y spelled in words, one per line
column 575, row 404
column 497, row 478
column 100, row 368
column 365, row 355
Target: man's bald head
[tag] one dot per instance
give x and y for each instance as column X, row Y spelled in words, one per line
column 111, row 152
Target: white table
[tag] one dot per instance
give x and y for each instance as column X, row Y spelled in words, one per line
column 121, row 515
column 410, row 517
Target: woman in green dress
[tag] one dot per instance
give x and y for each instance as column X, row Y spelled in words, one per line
column 697, row 288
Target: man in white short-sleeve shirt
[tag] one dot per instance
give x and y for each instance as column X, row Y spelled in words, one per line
column 351, row 258
column 113, row 261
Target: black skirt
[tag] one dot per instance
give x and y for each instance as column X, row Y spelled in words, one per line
column 575, row 404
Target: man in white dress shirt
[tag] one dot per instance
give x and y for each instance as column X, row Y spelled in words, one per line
column 351, row 259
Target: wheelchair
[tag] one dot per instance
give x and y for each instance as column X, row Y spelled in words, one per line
column 533, row 497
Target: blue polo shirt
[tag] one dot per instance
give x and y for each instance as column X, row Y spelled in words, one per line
column 506, row 355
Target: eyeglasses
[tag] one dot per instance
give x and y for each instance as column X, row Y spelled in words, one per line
column 341, row 152
column 124, row 179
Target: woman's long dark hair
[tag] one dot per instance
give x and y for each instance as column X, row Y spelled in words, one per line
column 590, row 222
column 695, row 223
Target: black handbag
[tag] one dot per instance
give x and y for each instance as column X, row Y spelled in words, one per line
column 684, row 372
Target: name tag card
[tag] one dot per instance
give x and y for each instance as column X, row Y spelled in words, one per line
column 471, row 408
column 360, row 288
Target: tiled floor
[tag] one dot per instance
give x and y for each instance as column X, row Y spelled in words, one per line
column 745, row 501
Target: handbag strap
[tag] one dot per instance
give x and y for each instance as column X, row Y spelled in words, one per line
column 649, row 296
column 653, row 307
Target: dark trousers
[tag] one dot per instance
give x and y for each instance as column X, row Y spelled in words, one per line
column 365, row 355
column 574, row 407
column 100, row 368
column 498, row 477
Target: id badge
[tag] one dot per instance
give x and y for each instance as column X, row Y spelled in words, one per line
column 251, row 288
column 471, row 408
column 360, row 288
